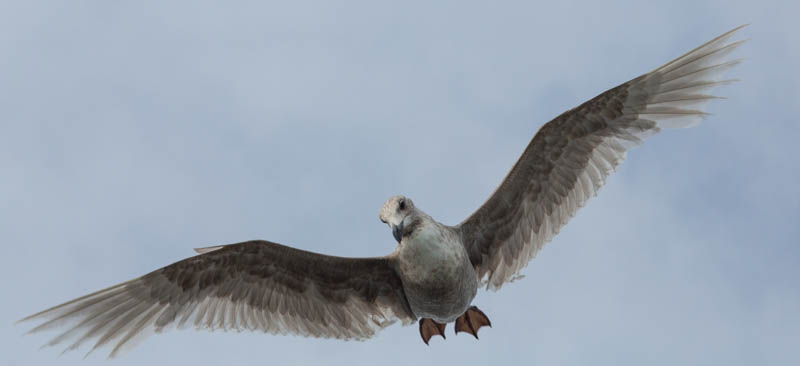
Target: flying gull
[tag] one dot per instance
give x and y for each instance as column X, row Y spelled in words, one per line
column 435, row 271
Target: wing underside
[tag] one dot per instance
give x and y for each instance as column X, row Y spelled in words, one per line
column 256, row 285
column 570, row 157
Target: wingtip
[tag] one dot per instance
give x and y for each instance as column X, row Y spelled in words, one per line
column 734, row 30
column 745, row 25
column 31, row 317
column 208, row 249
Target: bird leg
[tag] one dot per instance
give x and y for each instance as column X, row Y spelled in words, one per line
column 429, row 328
column 472, row 320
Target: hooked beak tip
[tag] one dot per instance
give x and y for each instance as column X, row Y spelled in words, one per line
column 397, row 232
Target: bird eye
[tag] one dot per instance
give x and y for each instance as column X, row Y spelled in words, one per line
column 402, row 205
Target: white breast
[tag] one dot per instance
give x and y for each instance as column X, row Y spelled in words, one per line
column 437, row 275
column 429, row 247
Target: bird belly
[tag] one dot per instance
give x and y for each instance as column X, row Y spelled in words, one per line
column 438, row 277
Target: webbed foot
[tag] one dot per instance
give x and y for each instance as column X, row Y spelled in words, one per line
column 472, row 320
column 429, row 328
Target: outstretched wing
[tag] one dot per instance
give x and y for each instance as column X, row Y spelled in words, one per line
column 255, row 285
column 569, row 158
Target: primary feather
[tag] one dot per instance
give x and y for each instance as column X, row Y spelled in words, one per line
column 570, row 157
column 255, row 285
column 259, row 285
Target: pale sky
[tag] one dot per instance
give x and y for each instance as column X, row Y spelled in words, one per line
column 132, row 132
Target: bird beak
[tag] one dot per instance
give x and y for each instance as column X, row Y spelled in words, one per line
column 397, row 231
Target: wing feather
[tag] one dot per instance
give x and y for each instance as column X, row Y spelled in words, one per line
column 256, row 285
column 568, row 160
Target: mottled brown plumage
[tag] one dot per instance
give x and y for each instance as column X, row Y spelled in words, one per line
column 569, row 158
column 254, row 285
column 434, row 272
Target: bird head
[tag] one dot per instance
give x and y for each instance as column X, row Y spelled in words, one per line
column 396, row 213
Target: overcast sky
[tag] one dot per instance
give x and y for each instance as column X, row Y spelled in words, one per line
column 131, row 132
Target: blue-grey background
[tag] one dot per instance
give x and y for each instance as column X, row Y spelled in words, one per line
column 131, row 132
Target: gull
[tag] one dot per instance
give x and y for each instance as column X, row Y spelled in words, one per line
column 435, row 271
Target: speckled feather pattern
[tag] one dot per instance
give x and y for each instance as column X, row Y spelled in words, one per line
column 436, row 269
column 568, row 160
column 255, row 285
